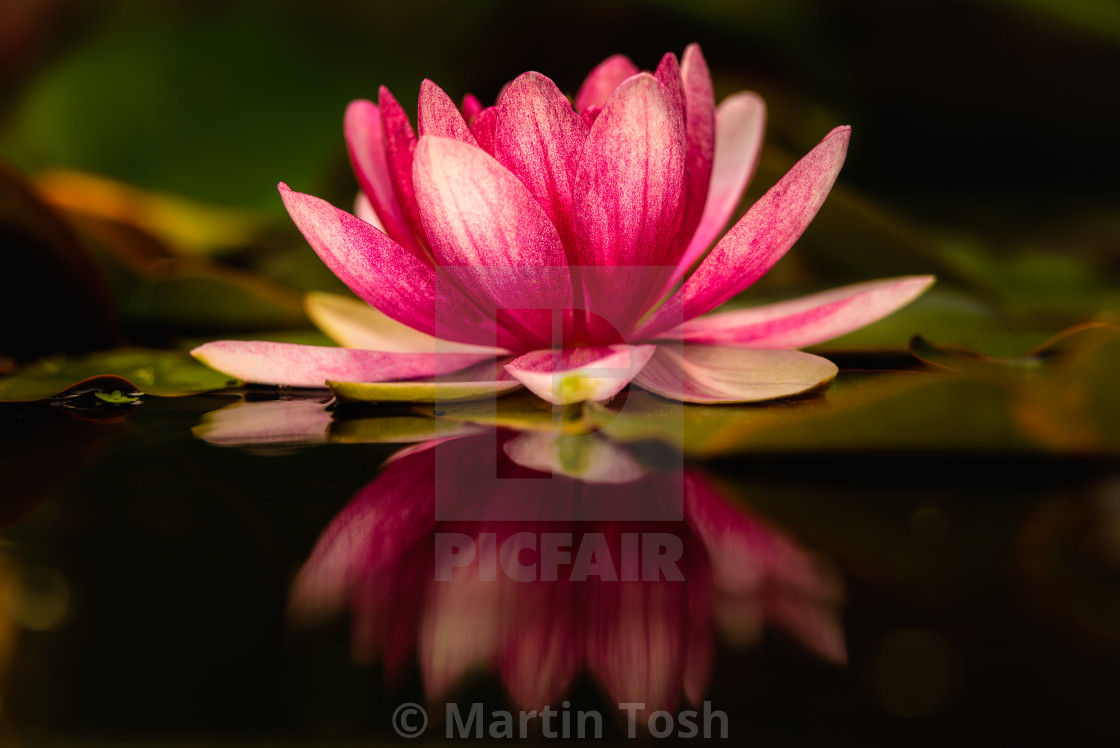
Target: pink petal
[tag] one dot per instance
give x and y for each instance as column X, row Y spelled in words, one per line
column 740, row 122
column 716, row 374
column 700, row 126
column 366, row 144
column 539, row 138
column 276, row 422
column 262, row 362
column 572, row 375
column 585, row 457
column 760, row 238
column 636, row 644
column 668, row 74
column 700, row 642
column 470, row 108
column 590, row 114
column 354, row 324
column 483, row 128
column 630, row 194
column 603, row 80
column 741, row 550
column 363, row 209
column 372, row 533
column 385, row 275
column 386, row 616
column 543, row 651
column 461, row 629
column 817, row 624
column 806, row 321
column 491, row 236
column 438, row 115
column 400, row 142
column 767, row 572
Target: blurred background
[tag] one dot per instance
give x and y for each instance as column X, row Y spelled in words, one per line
column 984, row 133
column 140, row 147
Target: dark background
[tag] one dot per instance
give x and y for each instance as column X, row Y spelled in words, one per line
column 983, row 145
column 984, row 149
column 949, row 101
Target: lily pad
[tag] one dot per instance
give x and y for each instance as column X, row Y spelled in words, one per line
column 945, row 316
column 160, row 373
column 885, row 411
column 1075, row 407
column 976, row 365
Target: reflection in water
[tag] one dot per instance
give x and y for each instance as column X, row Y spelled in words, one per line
column 292, row 421
column 1069, row 556
column 629, row 572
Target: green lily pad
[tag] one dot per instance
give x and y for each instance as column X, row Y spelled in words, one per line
column 161, row 373
column 1076, row 407
column 116, row 397
column 888, row 411
column 975, row 364
column 945, row 316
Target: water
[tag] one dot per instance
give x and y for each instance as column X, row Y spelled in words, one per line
column 259, row 579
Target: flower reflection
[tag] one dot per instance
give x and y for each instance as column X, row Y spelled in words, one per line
column 636, row 595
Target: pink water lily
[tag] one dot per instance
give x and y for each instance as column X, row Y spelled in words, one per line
column 649, row 641
column 558, row 242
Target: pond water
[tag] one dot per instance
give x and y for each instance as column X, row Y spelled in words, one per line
column 237, row 569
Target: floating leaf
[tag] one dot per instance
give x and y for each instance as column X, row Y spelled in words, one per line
column 116, row 397
column 886, row 411
column 948, row 317
column 1075, row 407
column 973, row 364
column 161, row 373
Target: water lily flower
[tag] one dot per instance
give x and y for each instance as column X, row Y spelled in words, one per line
column 648, row 640
column 570, row 245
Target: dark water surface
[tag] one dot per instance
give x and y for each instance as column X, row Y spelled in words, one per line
column 166, row 584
